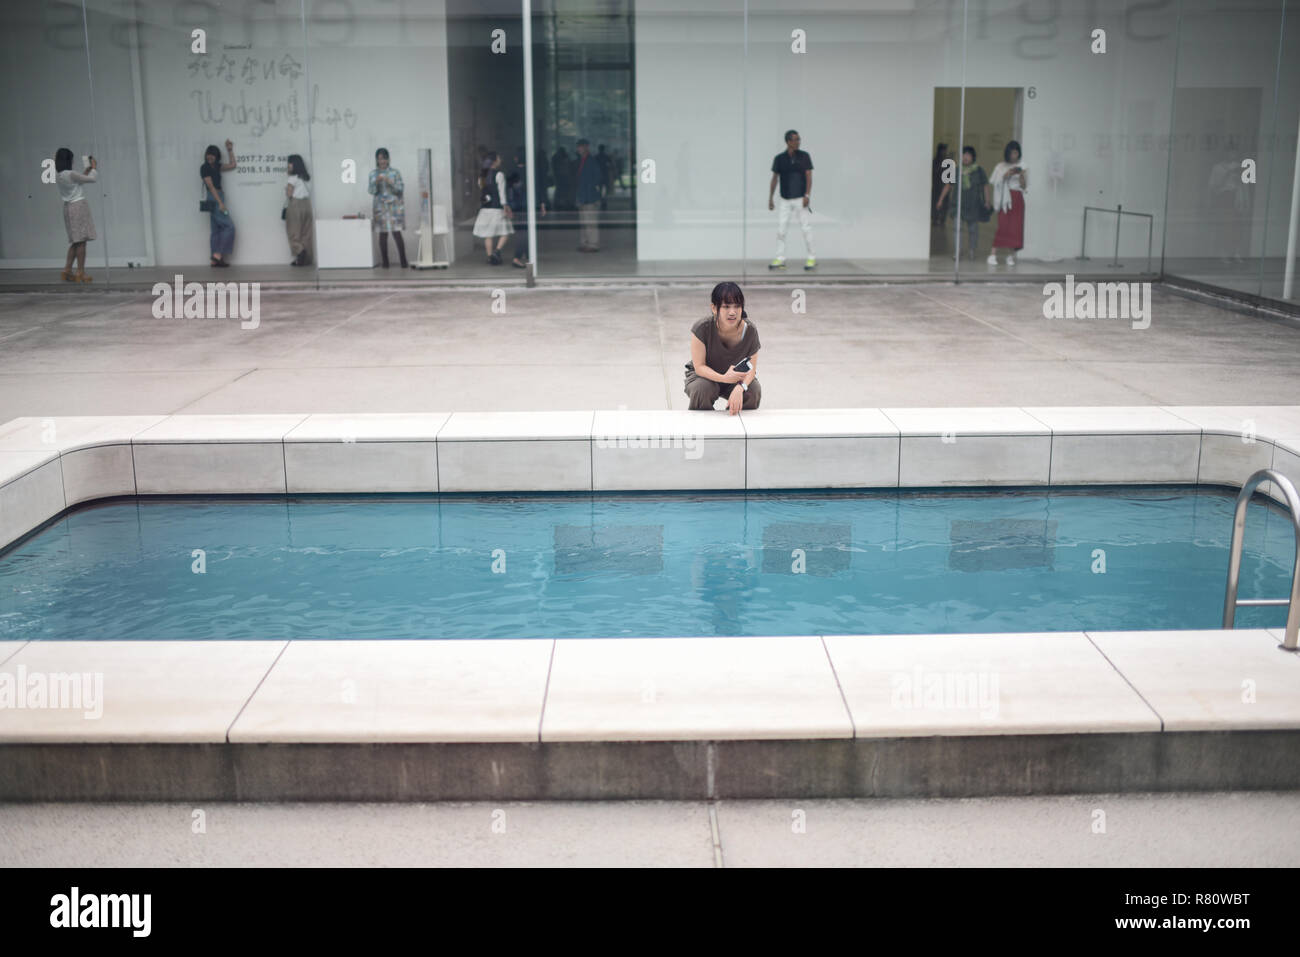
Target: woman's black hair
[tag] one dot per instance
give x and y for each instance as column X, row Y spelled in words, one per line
column 212, row 151
column 970, row 150
column 729, row 292
column 298, row 168
column 382, row 152
column 485, row 167
column 1011, row 145
column 62, row 159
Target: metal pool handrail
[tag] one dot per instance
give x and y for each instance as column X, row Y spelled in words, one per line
column 1230, row 602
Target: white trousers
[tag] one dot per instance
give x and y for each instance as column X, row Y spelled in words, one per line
column 784, row 207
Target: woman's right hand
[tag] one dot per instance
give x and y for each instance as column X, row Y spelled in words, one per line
column 731, row 375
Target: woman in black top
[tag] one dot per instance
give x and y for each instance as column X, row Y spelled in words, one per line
column 221, row 226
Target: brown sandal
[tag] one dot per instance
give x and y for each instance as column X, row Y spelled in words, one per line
column 82, row 277
column 66, row 275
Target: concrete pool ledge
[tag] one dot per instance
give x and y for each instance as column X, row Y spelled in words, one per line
column 686, row 717
column 655, row 718
column 50, row 464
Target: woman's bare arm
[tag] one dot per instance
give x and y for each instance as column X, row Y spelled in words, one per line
column 697, row 359
column 213, row 190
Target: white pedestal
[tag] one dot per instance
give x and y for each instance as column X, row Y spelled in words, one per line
column 344, row 244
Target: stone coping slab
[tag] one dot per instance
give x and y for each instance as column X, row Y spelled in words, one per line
column 797, row 688
column 63, row 461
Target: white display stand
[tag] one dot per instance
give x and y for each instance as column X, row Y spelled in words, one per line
column 427, row 235
column 433, row 219
column 344, row 244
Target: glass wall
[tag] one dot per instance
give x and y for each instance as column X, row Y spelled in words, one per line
column 1085, row 91
column 858, row 84
column 1225, row 162
column 1156, row 138
column 46, row 106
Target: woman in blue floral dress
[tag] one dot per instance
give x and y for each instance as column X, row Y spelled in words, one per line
column 389, row 211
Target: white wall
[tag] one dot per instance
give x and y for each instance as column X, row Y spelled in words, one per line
column 378, row 78
column 862, row 99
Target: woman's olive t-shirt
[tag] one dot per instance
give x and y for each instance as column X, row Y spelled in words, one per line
column 719, row 356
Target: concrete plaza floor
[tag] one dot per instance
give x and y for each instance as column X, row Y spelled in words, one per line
column 382, row 350
column 394, row 350
column 1244, row 829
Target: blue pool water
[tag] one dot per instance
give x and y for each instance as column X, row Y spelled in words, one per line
column 655, row 565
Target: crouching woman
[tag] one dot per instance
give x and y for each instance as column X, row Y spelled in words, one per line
column 719, row 343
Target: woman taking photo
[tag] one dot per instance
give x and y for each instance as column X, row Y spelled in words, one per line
column 221, row 228
column 298, row 224
column 1009, row 184
column 724, row 354
column 493, row 220
column 76, row 211
column 388, row 207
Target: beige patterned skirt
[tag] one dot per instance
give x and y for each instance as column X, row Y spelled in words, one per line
column 76, row 218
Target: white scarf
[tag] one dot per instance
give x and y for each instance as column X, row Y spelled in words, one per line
column 1002, row 184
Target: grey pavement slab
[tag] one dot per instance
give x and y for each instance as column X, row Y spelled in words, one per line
column 500, row 348
column 642, row 834
column 1239, row 829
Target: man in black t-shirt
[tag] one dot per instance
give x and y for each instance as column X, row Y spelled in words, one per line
column 793, row 170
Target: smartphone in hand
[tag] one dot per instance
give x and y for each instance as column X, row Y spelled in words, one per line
column 742, row 365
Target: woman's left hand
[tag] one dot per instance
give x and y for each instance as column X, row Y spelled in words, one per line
column 734, row 402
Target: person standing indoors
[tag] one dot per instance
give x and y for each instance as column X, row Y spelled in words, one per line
column 299, row 223
column 517, row 200
column 494, row 213
column 975, row 198
column 719, row 343
column 221, row 228
column 606, row 175
column 1010, row 184
column 589, row 181
column 561, row 170
column 76, row 211
column 388, row 207
column 792, row 168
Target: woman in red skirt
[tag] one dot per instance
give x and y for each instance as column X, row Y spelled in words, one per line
column 1010, row 183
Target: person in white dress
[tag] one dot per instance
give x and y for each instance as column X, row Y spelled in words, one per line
column 494, row 215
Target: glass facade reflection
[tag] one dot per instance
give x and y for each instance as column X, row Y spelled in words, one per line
column 1155, row 139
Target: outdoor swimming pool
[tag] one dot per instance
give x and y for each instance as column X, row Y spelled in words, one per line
column 671, row 564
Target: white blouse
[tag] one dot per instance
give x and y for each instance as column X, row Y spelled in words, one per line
column 300, row 190
column 69, row 182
